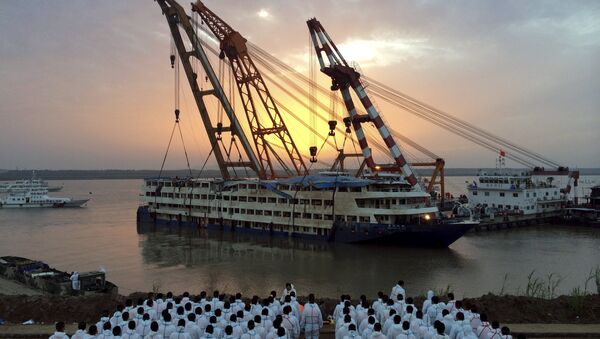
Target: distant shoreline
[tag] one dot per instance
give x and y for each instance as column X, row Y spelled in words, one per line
column 8, row 175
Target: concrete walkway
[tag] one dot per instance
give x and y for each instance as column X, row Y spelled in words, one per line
column 530, row 330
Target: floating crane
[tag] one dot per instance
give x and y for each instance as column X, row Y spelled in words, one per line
column 250, row 83
column 178, row 19
column 343, row 76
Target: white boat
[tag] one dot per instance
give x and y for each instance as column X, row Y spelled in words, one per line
column 24, row 185
column 514, row 191
column 37, row 197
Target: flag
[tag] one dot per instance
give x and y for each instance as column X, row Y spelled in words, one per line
column 502, row 153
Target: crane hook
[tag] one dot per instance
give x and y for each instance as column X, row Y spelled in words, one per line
column 177, row 115
column 172, row 60
column 313, row 153
column 332, row 125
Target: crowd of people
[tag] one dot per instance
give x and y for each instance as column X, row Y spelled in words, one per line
column 392, row 316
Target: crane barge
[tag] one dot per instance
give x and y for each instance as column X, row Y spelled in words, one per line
column 281, row 196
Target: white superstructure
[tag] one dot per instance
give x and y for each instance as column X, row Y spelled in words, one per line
column 36, row 197
column 514, row 191
column 27, row 184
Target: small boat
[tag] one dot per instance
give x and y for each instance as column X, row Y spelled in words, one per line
column 38, row 197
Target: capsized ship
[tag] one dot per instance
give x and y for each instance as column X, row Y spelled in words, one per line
column 381, row 203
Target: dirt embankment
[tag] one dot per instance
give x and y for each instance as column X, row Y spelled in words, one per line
column 506, row 309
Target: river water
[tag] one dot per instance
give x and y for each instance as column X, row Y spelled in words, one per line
column 105, row 234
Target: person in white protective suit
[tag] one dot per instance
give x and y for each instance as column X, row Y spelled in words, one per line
column 418, row 326
column 143, row 327
column 448, row 320
column 398, row 289
column 289, row 288
column 362, row 310
column 395, row 328
column 165, row 325
column 427, row 302
column 475, row 319
column 116, row 332
column 80, row 333
column 103, row 319
column 290, row 323
column 208, row 333
column 434, row 309
column 482, row 330
column 406, row 332
column 180, row 333
column 337, row 311
column 505, row 333
column 217, row 331
column 399, row 305
column 366, row 331
column 376, row 334
column 281, row 333
column 441, row 331
column 390, row 321
column 363, row 324
column 342, row 330
column 75, row 283
column 267, row 320
column 409, row 315
column 106, row 332
column 251, row 333
column 460, row 328
column 130, row 333
column 352, row 333
column 235, row 326
column 311, row 320
column 228, row 332
column 117, row 317
column 192, row 328
column 60, row 331
column 495, row 331
column 154, row 334
column 451, row 305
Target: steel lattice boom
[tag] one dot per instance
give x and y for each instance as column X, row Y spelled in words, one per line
column 249, row 82
column 343, row 77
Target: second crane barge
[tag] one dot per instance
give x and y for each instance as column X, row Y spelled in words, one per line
column 382, row 203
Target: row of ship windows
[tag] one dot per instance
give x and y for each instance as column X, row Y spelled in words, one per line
column 272, row 200
column 284, row 214
column 516, row 195
column 369, row 203
column 281, row 187
column 516, row 207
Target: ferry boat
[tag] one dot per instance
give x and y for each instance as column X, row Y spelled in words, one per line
column 514, row 192
column 332, row 206
column 37, row 197
column 24, row 185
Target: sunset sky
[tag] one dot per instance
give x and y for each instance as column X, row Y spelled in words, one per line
column 88, row 84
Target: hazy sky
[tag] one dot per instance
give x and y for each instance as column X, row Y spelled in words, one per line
column 87, row 84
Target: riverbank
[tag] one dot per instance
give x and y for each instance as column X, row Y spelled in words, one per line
column 16, row 309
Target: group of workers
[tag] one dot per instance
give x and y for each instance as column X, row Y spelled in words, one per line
column 392, row 316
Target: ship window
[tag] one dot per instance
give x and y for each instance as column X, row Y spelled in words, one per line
column 364, row 219
column 243, row 198
column 343, row 189
column 355, row 189
column 327, row 217
column 234, row 198
column 317, row 202
column 317, row 216
column 474, row 192
column 251, row 199
column 284, row 187
column 501, row 194
column 203, row 196
column 516, row 195
column 147, row 194
column 251, row 212
column 211, row 197
column 259, row 212
column 243, row 186
column 272, row 200
column 527, row 195
column 507, row 207
column 287, row 214
column 516, row 207
column 328, row 202
column 252, row 186
column 499, row 206
column 297, row 215
column 305, row 201
column 487, row 194
column 262, row 199
column 534, row 194
column 546, row 193
column 306, row 216
column 277, row 213
column 243, row 211
column 351, row 218
column 237, row 210
column 282, row 200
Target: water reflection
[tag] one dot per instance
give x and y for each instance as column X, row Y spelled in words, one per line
column 328, row 268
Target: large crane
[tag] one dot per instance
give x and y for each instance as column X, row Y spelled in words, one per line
column 177, row 18
column 249, row 83
column 343, row 76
